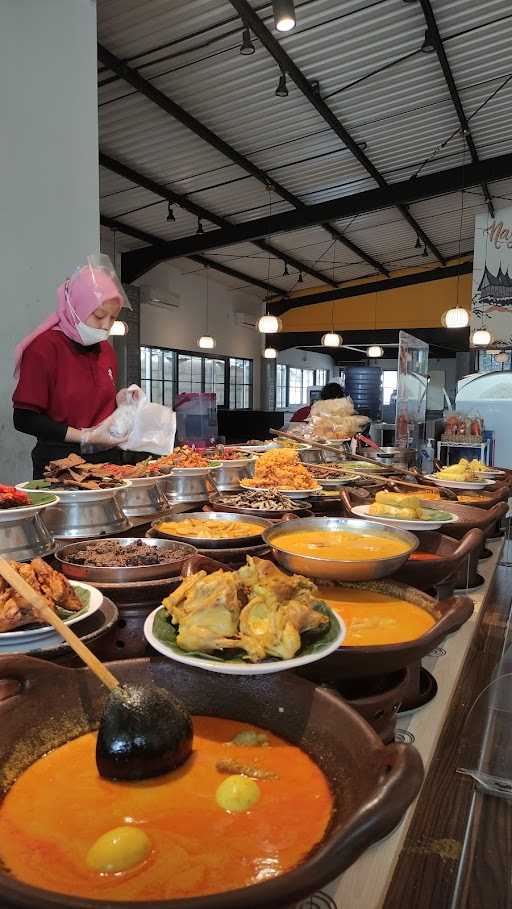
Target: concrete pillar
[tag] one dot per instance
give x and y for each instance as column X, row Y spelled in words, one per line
column 49, row 209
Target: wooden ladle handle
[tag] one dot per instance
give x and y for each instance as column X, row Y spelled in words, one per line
column 37, row 601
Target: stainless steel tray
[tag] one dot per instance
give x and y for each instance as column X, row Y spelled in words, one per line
column 207, row 542
column 113, row 574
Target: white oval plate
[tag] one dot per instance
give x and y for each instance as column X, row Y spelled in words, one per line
column 80, row 495
column 26, row 511
column 257, row 449
column 362, row 512
column 144, row 481
column 339, row 481
column 291, row 493
column 95, row 601
column 459, row 484
column 242, row 668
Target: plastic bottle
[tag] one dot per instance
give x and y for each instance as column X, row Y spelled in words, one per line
column 427, row 457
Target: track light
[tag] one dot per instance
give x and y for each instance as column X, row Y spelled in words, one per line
column 428, row 45
column 284, row 15
column 315, row 86
column 247, row 47
column 300, row 279
column 170, row 213
column 425, row 252
column 417, row 245
column 285, row 272
column 281, row 90
column 199, row 227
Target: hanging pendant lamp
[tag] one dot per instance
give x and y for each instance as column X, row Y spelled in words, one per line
column 206, row 342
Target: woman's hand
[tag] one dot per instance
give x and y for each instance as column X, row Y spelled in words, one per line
column 108, row 434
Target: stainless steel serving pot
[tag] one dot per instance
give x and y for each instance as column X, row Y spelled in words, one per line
column 339, row 569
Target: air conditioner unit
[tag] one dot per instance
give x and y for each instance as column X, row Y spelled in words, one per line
column 246, row 319
column 156, row 296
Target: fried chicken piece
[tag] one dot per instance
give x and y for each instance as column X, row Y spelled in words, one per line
column 55, row 587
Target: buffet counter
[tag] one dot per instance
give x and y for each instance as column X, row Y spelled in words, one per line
column 417, row 864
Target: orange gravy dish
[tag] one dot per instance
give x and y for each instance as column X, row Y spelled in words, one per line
column 208, row 827
column 375, row 618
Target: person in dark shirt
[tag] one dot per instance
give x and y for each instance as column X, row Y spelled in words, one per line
column 329, row 391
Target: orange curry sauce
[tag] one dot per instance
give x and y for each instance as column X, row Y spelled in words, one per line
column 59, row 806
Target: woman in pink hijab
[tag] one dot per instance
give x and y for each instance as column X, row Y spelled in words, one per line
column 67, row 370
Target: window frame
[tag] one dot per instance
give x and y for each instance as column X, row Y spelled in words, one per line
column 147, row 381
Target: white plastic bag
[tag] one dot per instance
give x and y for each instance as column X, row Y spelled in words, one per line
column 151, row 427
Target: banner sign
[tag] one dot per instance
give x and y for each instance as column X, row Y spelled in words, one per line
column 492, row 275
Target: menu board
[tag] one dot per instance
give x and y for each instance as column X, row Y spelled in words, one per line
column 411, row 397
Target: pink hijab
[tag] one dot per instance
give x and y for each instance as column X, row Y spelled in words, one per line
column 77, row 298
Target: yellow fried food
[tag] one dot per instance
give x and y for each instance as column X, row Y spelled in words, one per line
column 281, row 469
column 211, row 530
column 399, row 500
column 391, row 511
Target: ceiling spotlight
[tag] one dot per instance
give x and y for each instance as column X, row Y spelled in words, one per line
column 119, row 329
column 285, row 272
column 206, row 342
column 332, row 339
column 481, row 337
column 417, row 245
column 455, row 318
column 425, row 252
column 270, row 353
column 315, row 86
column 268, row 325
column 375, row 350
column 428, row 45
column 300, row 279
column 170, row 213
column 281, row 90
column 247, row 47
column 284, row 15
column 200, row 229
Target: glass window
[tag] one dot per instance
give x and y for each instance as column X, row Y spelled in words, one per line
column 321, row 377
column 189, row 373
column 389, row 383
column 240, row 383
column 214, row 371
column 281, row 384
column 294, row 385
column 308, row 379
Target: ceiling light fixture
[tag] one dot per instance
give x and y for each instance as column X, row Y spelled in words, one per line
column 200, row 229
column 285, row 272
column 206, row 342
column 300, row 279
column 501, row 356
column 284, row 15
column 374, row 351
column 481, row 337
column 119, row 329
column 282, row 90
column 332, row 339
column 417, row 245
column 455, row 318
column 428, row 45
column 270, row 353
column 425, row 252
column 170, row 213
column 247, row 47
column 269, row 325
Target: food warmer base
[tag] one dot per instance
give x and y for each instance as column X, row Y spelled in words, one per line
column 26, row 539
column 421, row 689
column 378, row 700
column 143, row 501
column 75, row 520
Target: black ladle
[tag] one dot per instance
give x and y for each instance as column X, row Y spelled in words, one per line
column 144, row 731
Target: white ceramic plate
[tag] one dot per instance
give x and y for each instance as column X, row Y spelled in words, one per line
column 459, row 484
column 29, row 634
column 339, row 481
column 140, row 482
column 78, row 495
column 195, row 471
column 362, row 512
column 257, row 449
column 291, row 493
column 8, row 515
column 242, row 667
column 493, row 472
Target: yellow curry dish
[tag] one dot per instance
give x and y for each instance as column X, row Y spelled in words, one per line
column 342, row 545
column 374, row 618
column 210, row 530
